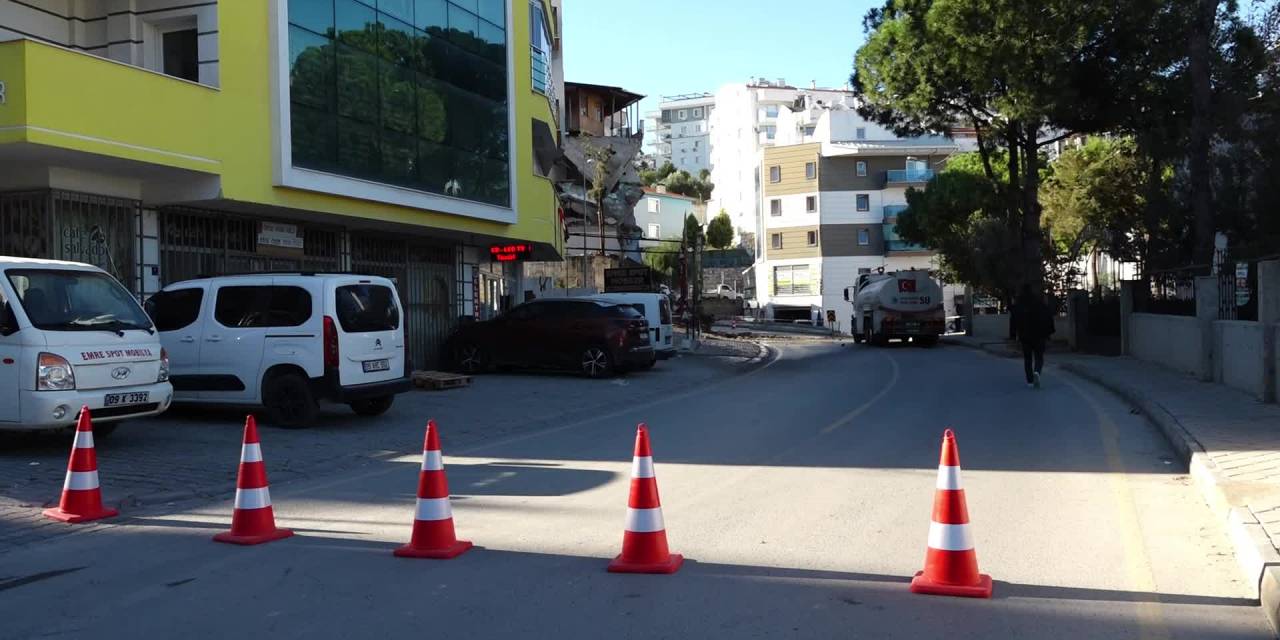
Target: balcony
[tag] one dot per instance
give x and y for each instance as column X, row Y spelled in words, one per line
column 892, row 211
column 909, row 176
column 98, row 108
column 900, row 246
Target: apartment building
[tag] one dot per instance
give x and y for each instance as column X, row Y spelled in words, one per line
column 166, row 139
column 832, row 189
column 679, row 132
column 744, row 122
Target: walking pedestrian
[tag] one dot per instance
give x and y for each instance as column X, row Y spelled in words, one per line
column 1032, row 323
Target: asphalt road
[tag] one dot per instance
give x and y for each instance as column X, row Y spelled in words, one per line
column 800, row 495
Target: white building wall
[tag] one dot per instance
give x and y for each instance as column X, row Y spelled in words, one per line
column 793, row 212
column 735, row 156
column 764, row 283
column 841, row 207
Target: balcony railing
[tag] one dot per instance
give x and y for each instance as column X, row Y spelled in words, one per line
column 893, row 210
column 904, row 176
column 901, row 245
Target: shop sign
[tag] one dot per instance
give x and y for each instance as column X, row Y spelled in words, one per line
column 510, row 252
column 275, row 234
column 1242, row 284
column 628, row 280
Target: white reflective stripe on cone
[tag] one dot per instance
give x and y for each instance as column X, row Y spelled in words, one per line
column 84, row 440
column 81, row 480
column 949, row 478
column 253, row 498
column 433, row 509
column 251, row 452
column 642, row 467
column 644, row 520
column 432, row 461
column 950, row 537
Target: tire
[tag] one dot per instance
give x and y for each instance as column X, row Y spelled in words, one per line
column 370, row 407
column 290, row 402
column 470, row 359
column 648, row 365
column 595, row 362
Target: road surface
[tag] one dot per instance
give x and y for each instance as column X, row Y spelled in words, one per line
column 800, row 494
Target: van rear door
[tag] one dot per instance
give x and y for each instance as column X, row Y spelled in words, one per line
column 370, row 329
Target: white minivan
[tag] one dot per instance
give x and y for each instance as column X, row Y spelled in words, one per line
column 284, row 341
column 71, row 336
column 656, row 308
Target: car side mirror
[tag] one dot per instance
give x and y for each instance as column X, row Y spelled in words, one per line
column 8, row 322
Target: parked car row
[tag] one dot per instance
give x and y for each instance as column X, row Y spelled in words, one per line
column 72, row 336
column 596, row 336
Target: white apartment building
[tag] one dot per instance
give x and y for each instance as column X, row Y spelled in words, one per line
column 744, row 122
column 679, row 132
column 832, row 186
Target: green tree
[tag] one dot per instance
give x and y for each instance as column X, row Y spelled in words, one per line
column 693, row 234
column 720, row 231
column 1022, row 74
column 685, row 184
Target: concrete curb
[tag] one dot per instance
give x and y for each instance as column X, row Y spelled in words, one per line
column 1257, row 557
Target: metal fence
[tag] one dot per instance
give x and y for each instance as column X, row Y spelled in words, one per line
column 1237, row 288
column 1169, row 292
column 66, row 225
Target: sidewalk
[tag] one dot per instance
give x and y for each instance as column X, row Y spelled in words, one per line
column 1229, row 441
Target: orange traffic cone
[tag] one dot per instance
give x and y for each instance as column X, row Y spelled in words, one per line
column 433, row 535
column 644, row 541
column 253, row 521
column 81, row 495
column 951, row 565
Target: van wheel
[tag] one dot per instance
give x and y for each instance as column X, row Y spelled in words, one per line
column 372, row 406
column 596, row 362
column 290, row 402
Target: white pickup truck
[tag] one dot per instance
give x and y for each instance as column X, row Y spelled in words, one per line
column 904, row 305
column 72, row 336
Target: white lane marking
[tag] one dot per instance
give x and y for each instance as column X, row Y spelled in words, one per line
column 950, row 537
column 644, row 520
column 253, row 498
column 852, row 415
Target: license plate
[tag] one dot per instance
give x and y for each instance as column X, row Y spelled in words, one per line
column 376, row 365
column 121, row 399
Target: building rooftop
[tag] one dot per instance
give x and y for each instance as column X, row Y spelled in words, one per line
column 622, row 97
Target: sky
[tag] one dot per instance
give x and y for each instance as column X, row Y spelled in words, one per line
column 670, row 47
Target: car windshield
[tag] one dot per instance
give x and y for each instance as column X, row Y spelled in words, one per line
column 70, row 300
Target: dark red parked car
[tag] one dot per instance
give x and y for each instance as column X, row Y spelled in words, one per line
column 594, row 338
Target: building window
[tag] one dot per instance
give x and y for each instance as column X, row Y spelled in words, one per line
column 813, row 238
column 655, row 230
column 775, row 173
column 862, row 271
column 775, row 241
column 770, row 132
column 862, row 169
column 771, row 111
column 684, row 114
column 811, row 204
column 864, row 237
column 180, row 57
column 864, row 202
column 861, row 133
column 419, row 103
column 697, row 113
column 540, row 36
column 810, row 170
column 791, row 280
column 655, row 205
column 775, row 207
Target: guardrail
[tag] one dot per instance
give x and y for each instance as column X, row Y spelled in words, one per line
column 909, row 175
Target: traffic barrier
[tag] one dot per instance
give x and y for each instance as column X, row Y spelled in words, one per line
column 950, row 564
column 644, row 541
column 81, row 494
column 253, row 521
column 433, row 534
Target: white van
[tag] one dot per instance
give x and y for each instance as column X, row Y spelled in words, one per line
column 72, row 336
column 656, row 308
column 284, row 341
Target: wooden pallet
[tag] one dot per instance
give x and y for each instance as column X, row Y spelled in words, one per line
column 438, row 380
